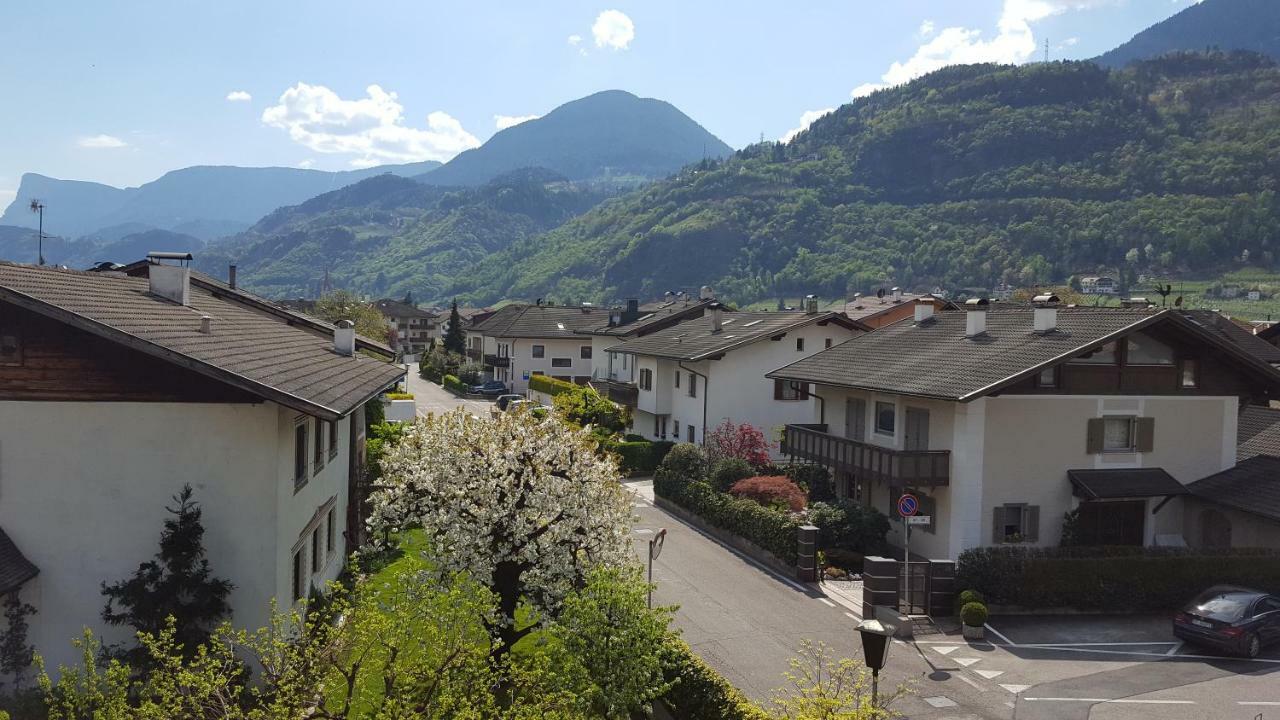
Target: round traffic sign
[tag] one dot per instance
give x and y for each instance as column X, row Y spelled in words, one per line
column 908, row 505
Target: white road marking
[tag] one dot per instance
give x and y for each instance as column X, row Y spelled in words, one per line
column 1125, row 701
column 825, row 601
column 1163, row 655
column 1258, row 702
column 990, row 674
column 940, row 701
column 944, row 649
column 971, row 683
column 1118, row 644
column 852, row 616
column 966, row 662
column 1175, row 648
column 1015, row 689
column 1002, row 637
column 643, row 531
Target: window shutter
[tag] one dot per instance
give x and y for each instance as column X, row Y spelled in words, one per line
column 777, row 389
column 997, row 525
column 1146, row 434
column 1031, row 523
column 804, row 391
column 1097, row 428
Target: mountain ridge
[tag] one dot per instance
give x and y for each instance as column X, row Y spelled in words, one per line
column 1252, row 25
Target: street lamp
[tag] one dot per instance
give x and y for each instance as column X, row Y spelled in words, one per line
column 875, row 651
column 655, row 549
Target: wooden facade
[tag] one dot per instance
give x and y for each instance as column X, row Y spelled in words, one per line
column 43, row 359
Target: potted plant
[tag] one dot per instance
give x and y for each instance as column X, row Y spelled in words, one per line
column 973, row 619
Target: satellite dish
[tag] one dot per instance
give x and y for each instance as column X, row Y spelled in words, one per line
column 1178, row 302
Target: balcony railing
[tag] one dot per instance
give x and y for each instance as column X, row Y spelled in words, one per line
column 623, row 393
column 904, row 468
column 496, row 360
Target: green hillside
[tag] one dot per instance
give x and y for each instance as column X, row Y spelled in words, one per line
column 971, row 175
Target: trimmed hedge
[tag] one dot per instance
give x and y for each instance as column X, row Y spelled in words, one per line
column 770, row 529
column 550, row 385
column 399, row 396
column 1111, row 578
column 699, row 692
column 452, row 383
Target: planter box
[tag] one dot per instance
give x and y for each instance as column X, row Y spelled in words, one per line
column 973, row 633
column 401, row 411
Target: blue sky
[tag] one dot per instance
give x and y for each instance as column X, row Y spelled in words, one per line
column 121, row 92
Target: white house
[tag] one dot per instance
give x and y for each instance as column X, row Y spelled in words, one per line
column 520, row 341
column 693, row 376
column 411, row 326
column 1002, row 421
column 117, row 390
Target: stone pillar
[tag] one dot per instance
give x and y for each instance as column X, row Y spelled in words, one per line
column 879, row 584
column 807, row 553
column 942, row 588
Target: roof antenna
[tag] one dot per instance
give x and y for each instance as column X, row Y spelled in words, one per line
column 1164, row 294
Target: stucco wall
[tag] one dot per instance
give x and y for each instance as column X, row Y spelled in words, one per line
column 522, row 360
column 1246, row 530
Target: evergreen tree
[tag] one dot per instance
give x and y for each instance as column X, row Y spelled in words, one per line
column 178, row 583
column 16, row 654
column 454, row 340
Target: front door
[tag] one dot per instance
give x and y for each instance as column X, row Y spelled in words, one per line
column 917, row 437
column 1112, row 523
column 855, row 419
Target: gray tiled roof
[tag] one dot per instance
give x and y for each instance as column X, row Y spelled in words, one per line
column 397, row 309
column 654, row 315
column 935, row 359
column 15, row 568
column 870, row 305
column 695, row 340
column 1230, row 331
column 1252, row 486
column 247, row 347
column 541, row 321
column 1258, row 432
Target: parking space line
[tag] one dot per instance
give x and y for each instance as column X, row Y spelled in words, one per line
column 971, row 683
column 1102, row 644
column 998, row 634
column 825, row 601
column 1258, row 702
column 1162, row 655
column 1177, row 646
column 1118, row 701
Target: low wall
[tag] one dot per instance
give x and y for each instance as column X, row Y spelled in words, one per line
column 746, row 547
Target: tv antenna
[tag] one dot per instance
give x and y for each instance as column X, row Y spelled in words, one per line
column 1164, row 291
column 38, row 208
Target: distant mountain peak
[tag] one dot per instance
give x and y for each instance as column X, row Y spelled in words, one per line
column 1225, row 25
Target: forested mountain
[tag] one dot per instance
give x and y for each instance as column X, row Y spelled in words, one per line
column 611, row 134
column 1210, row 24
column 967, row 176
column 205, row 202
column 18, row 244
column 390, row 235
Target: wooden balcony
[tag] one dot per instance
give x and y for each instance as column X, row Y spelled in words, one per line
column 497, row 361
column 623, row 393
column 902, row 468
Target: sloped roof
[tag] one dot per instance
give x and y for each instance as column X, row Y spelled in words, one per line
column 397, row 309
column 935, row 359
column 15, row 568
column 1257, row 432
column 540, row 321
column 696, row 339
column 1124, row 483
column 869, row 306
column 652, row 316
column 247, row 347
column 1230, row 331
column 1252, row 486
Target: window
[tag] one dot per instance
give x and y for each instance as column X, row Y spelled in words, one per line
column 10, row 347
column 539, row 351
column 1015, row 523
column 693, row 386
column 886, row 417
column 1142, row 349
column 318, row 453
column 690, row 429
column 677, row 379
column 1047, row 378
column 646, row 379
column 333, row 440
column 1117, row 434
column 826, row 343
column 298, row 591
column 624, row 361
column 675, row 429
column 561, row 362
column 1121, row 434
column 300, row 455
column 799, row 344
column 928, row 508
column 585, row 351
column 1190, row 374
column 790, row 390
column 330, row 530
column 316, row 554
column 1105, row 355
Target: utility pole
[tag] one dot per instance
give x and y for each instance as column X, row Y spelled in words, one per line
column 38, row 207
column 1046, row 49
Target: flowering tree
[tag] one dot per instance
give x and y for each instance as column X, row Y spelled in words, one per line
column 744, row 442
column 524, row 505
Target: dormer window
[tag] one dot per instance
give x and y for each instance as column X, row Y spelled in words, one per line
column 1105, row 355
column 10, row 346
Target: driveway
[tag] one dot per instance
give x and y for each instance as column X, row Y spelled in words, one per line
column 431, row 398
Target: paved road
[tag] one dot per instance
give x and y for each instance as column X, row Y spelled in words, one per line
column 432, row 398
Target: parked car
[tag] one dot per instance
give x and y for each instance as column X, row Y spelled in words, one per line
column 504, row 400
column 492, row 388
column 519, row 402
column 1234, row 619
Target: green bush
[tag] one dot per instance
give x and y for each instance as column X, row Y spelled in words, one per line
column 849, row 526
column 698, row 692
column 816, row 481
column 399, row 396
column 470, row 373
column 635, row 457
column 771, row 529
column 550, row 385
column 1111, row 578
column 453, row 384
column 374, row 414
column 967, row 596
column 632, row 437
column 584, row 406
column 728, row 471
column 682, row 465
column 659, row 450
column 973, row 614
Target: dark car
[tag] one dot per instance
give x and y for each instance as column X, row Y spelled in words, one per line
column 505, row 400
column 1234, row 619
column 493, row 388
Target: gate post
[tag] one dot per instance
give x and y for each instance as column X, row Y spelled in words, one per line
column 942, row 588
column 879, row 584
column 807, row 553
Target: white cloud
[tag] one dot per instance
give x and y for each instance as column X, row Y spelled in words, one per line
column 613, row 29
column 371, row 127
column 101, row 141
column 306, row 164
column 575, row 40
column 926, row 28
column 239, row 96
column 806, row 119
column 1014, row 42
column 1069, row 42
column 505, row 121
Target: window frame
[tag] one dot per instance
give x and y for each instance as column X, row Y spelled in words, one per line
column 826, row 343
column 800, row 344
column 584, row 352
column 693, row 384
column 317, row 557
column 333, row 439
column 298, row 591
column 876, row 428
column 1053, row 378
column 537, row 352
column 1132, row 422
column 646, row 379
column 690, row 429
column 561, row 362
column 790, row 390
column 330, row 540
column 1192, row 364
column 12, row 333
column 301, row 456
column 317, row 452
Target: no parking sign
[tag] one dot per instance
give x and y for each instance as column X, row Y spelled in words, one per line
column 908, row 505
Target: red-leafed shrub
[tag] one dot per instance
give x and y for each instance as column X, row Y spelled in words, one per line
column 771, row 490
column 744, row 442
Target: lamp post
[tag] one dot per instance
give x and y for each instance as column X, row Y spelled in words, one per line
column 875, row 651
column 655, row 549
column 38, row 207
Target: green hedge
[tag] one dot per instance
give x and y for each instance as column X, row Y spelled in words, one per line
column 640, row 456
column 771, row 529
column 550, row 385
column 1111, row 578
column 452, row 383
column 699, row 692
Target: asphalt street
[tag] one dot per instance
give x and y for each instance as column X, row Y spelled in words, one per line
column 431, row 398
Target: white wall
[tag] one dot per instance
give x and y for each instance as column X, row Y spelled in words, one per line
column 522, row 360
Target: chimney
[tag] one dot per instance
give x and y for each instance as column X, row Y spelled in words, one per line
column 633, row 305
column 811, row 304
column 231, row 277
column 205, row 320
column 924, row 310
column 717, row 317
column 171, row 282
column 1045, row 315
column 897, row 294
column 344, row 338
column 975, row 317
column 705, row 293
